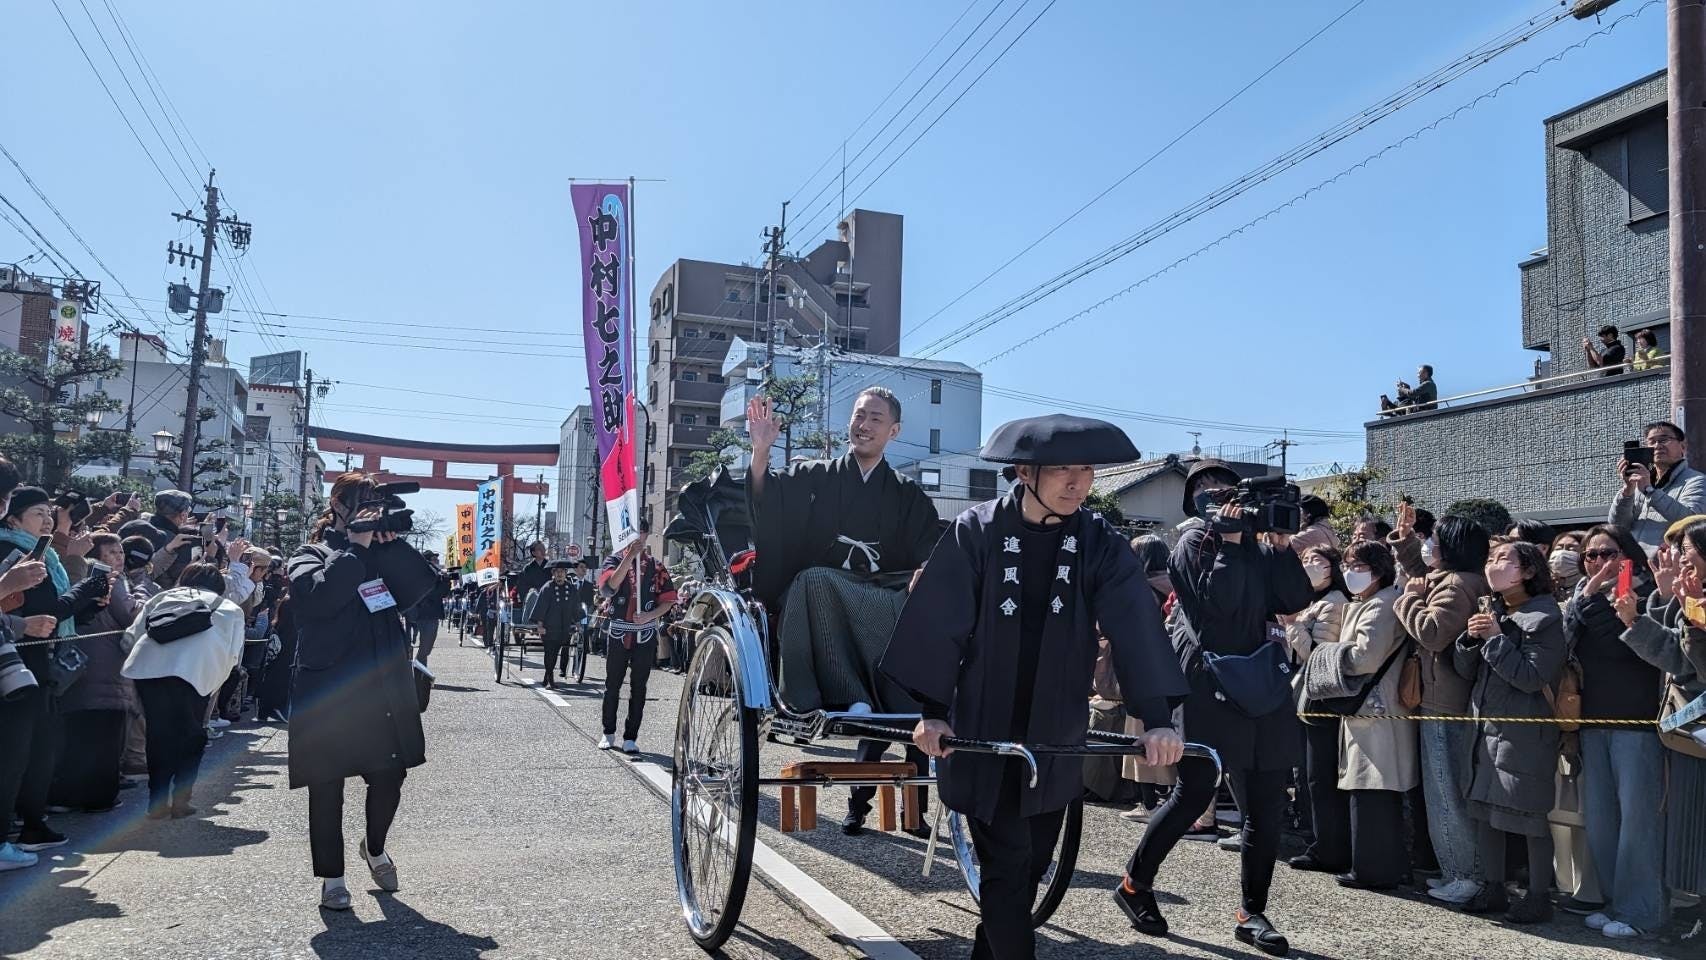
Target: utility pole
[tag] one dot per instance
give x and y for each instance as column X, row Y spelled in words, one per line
column 773, row 246
column 207, row 301
column 309, row 388
column 1284, row 443
column 1687, row 145
column 539, row 512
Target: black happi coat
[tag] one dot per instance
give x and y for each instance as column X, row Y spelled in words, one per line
column 796, row 521
column 354, row 708
column 956, row 647
column 1229, row 592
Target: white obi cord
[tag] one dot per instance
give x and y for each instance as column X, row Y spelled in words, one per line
column 872, row 554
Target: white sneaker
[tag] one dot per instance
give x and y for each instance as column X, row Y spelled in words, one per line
column 1434, row 883
column 1457, row 891
column 629, row 746
column 11, row 858
column 1596, row 921
column 607, row 741
column 219, row 722
column 1618, row 930
column 214, row 733
column 860, row 707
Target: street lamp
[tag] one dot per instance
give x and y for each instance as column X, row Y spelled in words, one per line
column 246, row 502
column 93, row 419
column 279, row 516
column 164, row 441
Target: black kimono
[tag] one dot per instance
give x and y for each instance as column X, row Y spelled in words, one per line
column 959, row 644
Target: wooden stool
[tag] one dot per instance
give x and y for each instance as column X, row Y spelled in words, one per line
column 799, row 804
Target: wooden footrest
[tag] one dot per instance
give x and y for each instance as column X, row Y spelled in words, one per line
column 799, row 804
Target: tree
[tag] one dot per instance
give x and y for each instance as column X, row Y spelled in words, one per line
column 792, row 398
column 725, row 446
column 292, row 531
column 50, row 401
column 211, row 476
column 1348, row 500
column 1108, row 506
column 1490, row 515
column 428, row 531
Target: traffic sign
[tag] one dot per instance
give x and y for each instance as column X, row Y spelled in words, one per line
column 574, row 551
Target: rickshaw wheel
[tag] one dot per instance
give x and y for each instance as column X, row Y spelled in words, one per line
column 714, row 797
column 500, row 634
column 1055, row 882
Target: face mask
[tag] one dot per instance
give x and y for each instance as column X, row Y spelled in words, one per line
column 1503, row 578
column 1430, row 552
column 1319, row 575
column 1565, row 563
column 1358, row 581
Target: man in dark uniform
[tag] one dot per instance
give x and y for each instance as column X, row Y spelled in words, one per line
column 558, row 611
column 534, row 574
column 1012, row 578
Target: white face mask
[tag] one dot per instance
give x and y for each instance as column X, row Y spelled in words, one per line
column 1358, row 581
column 1430, row 552
column 1320, row 575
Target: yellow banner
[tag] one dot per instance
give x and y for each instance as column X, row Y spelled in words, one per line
column 464, row 534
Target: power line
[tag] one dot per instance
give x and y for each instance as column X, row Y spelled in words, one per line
column 154, row 89
column 123, row 75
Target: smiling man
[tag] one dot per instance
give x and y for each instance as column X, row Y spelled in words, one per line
column 838, row 541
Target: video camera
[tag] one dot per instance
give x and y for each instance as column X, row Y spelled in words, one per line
column 394, row 515
column 1268, row 505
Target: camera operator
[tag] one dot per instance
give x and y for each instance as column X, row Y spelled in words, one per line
column 355, row 711
column 1229, row 584
column 1654, row 497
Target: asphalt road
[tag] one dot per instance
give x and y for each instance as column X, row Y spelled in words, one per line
column 519, row 839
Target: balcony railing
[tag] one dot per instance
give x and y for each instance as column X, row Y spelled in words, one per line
column 1533, row 385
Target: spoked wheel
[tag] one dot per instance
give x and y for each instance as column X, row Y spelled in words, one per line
column 1056, row 880
column 714, row 801
column 581, row 644
column 499, row 635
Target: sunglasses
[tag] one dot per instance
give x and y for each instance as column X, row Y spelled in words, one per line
column 1606, row 554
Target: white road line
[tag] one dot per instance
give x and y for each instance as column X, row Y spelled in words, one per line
column 859, row 930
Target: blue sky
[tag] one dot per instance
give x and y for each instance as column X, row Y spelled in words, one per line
column 406, row 168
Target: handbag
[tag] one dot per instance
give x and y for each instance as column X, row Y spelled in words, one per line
column 1255, row 684
column 1566, row 699
column 175, row 619
column 1410, row 682
column 65, row 666
column 1349, row 706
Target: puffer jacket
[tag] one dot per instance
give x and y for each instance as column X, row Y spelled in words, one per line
column 1515, row 765
column 1435, row 619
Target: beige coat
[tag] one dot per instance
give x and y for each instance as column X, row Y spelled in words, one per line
column 1377, row 754
column 1319, row 623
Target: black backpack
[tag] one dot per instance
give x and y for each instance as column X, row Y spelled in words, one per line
column 176, row 619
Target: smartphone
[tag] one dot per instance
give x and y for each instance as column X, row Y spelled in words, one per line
column 40, row 548
column 122, row 498
column 1625, row 578
column 97, row 567
column 1634, row 452
column 1485, row 605
column 208, row 532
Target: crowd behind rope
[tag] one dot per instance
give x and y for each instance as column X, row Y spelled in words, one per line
column 1480, row 707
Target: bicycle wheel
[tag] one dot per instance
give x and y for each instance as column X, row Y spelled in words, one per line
column 580, row 657
column 499, row 635
column 714, row 796
column 1057, row 879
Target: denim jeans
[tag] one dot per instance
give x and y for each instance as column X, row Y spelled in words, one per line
column 1622, row 789
column 1445, row 783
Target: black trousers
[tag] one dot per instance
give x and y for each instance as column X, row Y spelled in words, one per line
column 1013, row 853
column 274, row 695
column 1261, row 798
column 86, row 777
column 177, row 737
column 859, row 799
column 326, row 818
column 637, row 662
column 1360, row 831
column 556, row 653
column 21, row 721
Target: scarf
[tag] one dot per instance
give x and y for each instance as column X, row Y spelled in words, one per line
column 55, row 570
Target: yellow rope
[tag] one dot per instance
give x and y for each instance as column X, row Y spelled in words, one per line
column 1392, row 716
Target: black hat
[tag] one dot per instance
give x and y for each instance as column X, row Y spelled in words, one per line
column 1056, row 440
column 138, row 550
column 1219, row 468
column 560, row 565
column 24, row 498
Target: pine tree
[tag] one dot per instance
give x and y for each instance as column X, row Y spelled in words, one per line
column 52, row 404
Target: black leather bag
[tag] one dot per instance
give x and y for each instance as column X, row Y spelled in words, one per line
column 65, row 666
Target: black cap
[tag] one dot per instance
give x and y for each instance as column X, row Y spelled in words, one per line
column 138, row 550
column 1219, row 468
column 1056, row 440
column 24, row 498
column 560, row 565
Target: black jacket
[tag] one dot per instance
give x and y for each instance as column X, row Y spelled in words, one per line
column 559, row 607
column 353, row 700
column 431, row 606
column 42, row 599
column 532, row 577
column 1616, row 684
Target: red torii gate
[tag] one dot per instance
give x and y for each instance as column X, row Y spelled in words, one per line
column 372, row 450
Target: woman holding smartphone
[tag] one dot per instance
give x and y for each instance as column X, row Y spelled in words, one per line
column 1621, row 766
column 1514, row 649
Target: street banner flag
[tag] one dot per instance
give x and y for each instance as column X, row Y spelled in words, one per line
column 489, row 525
column 464, row 551
column 601, row 213
column 450, row 551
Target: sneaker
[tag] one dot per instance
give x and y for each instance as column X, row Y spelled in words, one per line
column 1596, row 921
column 1255, row 930
column 630, row 747
column 1235, row 843
column 219, row 723
column 333, row 897
column 1456, row 892
column 1491, row 898
column 32, row 839
column 11, row 858
column 182, row 811
column 383, row 869
column 1138, row 814
column 58, row 808
column 1618, row 930
column 1434, row 883
column 607, row 741
column 214, row 733
column 1140, row 908
column 852, row 826
column 1580, row 908
column 1308, row 863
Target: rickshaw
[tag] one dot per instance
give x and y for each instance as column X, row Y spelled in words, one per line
column 730, row 704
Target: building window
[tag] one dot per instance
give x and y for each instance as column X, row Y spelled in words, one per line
column 982, row 484
column 259, row 407
column 652, row 392
column 732, row 294
column 691, row 333
column 935, row 441
column 856, row 342
column 714, row 378
column 689, row 376
column 689, row 419
column 930, row 479
column 718, row 335
column 654, row 351
column 935, row 391
column 1646, row 165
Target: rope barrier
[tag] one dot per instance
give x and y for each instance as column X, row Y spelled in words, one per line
column 1578, row 721
column 80, row 636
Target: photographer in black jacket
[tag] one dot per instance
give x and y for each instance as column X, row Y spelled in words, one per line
column 354, row 708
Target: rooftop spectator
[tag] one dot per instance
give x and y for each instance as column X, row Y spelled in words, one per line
column 1422, row 397
column 1610, row 355
column 1647, row 355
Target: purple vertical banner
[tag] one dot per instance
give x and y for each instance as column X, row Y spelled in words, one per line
column 602, row 215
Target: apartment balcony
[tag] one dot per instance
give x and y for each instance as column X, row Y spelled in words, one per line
column 698, row 391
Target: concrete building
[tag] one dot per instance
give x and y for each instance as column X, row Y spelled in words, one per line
column 1548, row 447
column 273, row 430
column 955, row 481
column 577, row 479
column 846, row 290
column 1151, row 493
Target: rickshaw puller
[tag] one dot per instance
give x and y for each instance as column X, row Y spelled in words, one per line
column 998, row 641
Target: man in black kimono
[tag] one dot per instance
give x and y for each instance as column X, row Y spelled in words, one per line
column 838, row 542
column 558, row 612
column 998, row 641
